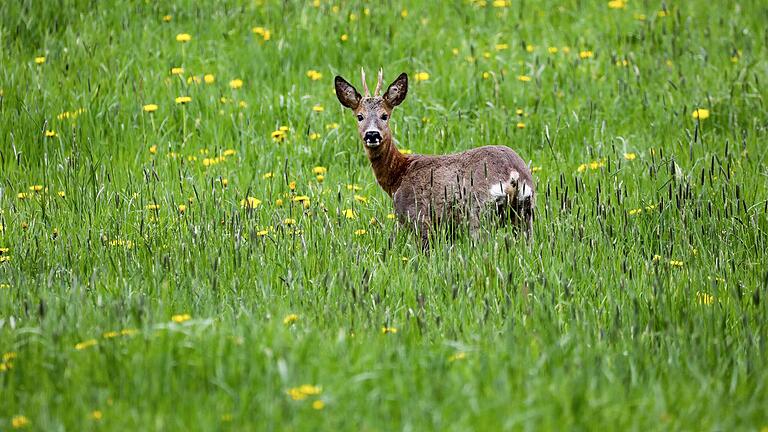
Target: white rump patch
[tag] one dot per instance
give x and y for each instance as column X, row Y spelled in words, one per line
column 511, row 188
column 497, row 191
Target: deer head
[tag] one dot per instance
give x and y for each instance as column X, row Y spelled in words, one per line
column 373, row 112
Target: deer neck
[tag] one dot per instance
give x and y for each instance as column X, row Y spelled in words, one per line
column 388, row 165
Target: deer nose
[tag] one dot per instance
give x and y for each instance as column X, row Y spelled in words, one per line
column 372, row 137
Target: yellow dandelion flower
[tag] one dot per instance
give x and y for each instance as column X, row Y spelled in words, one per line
column 552, row 50
column 501, row 46
column 167, row 18
column 320, row 178
column 61, row 194
column 314, row 75
column 385, row 330
column 617, row 4
column 318, row 108
column 224, row 182
column 585, row 54
column 183, row 37
column 523, row 78
column 152, row 207
column 182, row 208
column 153, row 149
column 630, row 156
column 183, row 100
column 177, row 71
column 36, row 188
column 194, row 79
column 96, row 415
column 700, row 114
column 39, row 60
column 344, row 37
column 349, row 214
column 236, row 83
column 267, row 176
column 360, row 232
column 51, row 134
column 278, row 136
column 319, row 170
column 520, row 125
column 19, row 421
column 289, row 221
column 292, row 185
column 314, row 135
column 331, row 126
column 391, row 216
column 301, row 198
column 582, row 168
column 461, row 355
column 486, row 75
column 290, row 319
column 318, row 405
column 209, row 78
column 180, row 318
column 663, row 13
column 262, row 233
column 250, row 202
column 675, row 263
column 86, row 344
column 361, row 199
column 150, row 108
column 421, row 76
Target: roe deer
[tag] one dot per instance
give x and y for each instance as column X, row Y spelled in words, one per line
column 428, row 190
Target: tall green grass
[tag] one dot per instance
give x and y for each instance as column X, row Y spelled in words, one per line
column 640, row 305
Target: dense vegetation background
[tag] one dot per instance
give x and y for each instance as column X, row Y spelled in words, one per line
column 191, row 236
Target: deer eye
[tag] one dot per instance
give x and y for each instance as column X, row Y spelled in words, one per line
column 359, row 117
column 384, row 117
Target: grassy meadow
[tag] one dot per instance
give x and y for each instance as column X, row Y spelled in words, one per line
column 191, row 236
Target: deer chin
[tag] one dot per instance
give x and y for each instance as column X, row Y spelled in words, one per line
column 372, row 144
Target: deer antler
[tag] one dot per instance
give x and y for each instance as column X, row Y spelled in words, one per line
column 378, row 84
column 365, row 86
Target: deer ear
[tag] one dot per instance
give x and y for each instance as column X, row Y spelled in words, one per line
column 396, row 91
column 348, row 96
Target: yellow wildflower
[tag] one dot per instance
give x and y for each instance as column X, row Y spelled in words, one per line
column 314, row 75
column 267, row 176
column 153, row 149
column 314, row 135
column 461, row 355
column 585, row 54
column 36, row 188
column 292, row 185
column 501, row 46
column 385, row 330
column 209, row 78
column 349, row 214
column 552, row 50
column 391, row 216
column 50, row 134
column 318, row 405
column 182, row 208
column 96, row 415
column 360, row 232
column 167, row 18
column 353, row 187
column 289, row 221
column 150, row 108
column 290, row 319
column 700, row 114
column 153, row 207
column 183, row 100
column 177, row 71
column 86, row 344
column 39, row 60
column 617, row 4
column 319, row 170
column 19, row 421
column 361, row 199
column 523, row 78
column 318, row 108
column 344, row 37
column 704, row 298
column 320, row 178
column 183, row 37
column 236, row 83
column 180, row 318
column 250, row 202
column 262, row 233
column 520, row 125
column 406, row 151
column 421, row 76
